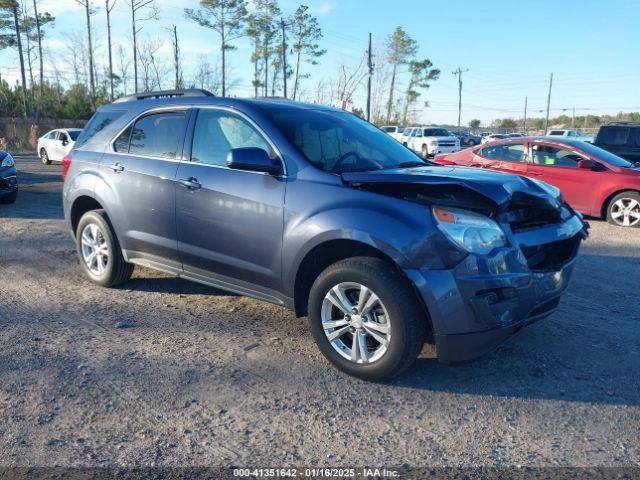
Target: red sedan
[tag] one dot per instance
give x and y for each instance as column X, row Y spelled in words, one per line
column 593, row 181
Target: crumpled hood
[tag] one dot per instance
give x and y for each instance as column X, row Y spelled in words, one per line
column 500, row 188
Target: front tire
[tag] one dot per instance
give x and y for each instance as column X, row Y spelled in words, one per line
column 99, row 250
column 624, row 210
column 425, row 152
column 365, row 318
column 44, row 157
column 11, row 198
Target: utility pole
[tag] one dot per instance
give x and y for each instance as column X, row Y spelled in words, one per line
column 370, row 66
column 283, row 25
column 546, row 119
column 459, row 73
column 176, row 57
column 524, row 125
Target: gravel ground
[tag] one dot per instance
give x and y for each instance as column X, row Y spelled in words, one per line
column 162, row 372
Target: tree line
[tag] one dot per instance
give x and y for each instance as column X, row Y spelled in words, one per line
column 283, row 46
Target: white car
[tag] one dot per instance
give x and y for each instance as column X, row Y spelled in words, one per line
column 405, row 138
column 430, row 141
column 573, row 134
column 54, row 145
column 394, row 131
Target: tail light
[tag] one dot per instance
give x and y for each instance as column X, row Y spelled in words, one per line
column 66, row 163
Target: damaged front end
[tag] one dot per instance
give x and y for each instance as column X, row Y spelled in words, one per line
column 490, row 293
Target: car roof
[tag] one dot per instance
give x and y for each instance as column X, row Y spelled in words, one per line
column 129, row 103
column 559, row 141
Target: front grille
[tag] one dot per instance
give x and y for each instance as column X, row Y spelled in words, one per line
column 522, row 218
column 551, row 257
column 447, row 144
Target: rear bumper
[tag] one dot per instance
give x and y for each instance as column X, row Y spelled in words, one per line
column 480, row 302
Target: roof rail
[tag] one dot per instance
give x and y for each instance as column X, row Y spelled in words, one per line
column 191, row 92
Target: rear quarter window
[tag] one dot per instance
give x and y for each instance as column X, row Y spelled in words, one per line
column 99, row 121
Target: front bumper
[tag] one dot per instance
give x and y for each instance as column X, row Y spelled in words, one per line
column 480, row 302
column 436, row 149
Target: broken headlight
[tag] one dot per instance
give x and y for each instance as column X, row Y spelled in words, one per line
column 471, row 231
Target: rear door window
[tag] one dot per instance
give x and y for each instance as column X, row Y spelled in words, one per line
column 157, row 135
column 98, row 122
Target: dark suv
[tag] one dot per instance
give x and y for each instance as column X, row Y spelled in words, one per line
column 622, row 139
column 314, row 209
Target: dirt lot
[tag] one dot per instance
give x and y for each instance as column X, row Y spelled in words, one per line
column 164, row 372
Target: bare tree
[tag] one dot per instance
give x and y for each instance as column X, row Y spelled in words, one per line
column 40, row 56
column 123, row 63
column 225, row 17
column 206, row 77
column 108, row 7
column 348, row 82
column 141, row 11
column 75, row 55
column 89, row 11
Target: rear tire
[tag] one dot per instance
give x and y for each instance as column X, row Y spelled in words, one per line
column 44, row 157
column 623, row 210
column 396, row 311
column 99, row 250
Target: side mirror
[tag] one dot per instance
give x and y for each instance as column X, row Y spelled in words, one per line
column 65, row 143
column 587, row 164
column 252, row 159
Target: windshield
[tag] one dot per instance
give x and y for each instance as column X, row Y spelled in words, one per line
column 74, row 134
column 340, row 142
column 604, row 155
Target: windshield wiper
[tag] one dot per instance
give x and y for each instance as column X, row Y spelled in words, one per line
column 410, row 164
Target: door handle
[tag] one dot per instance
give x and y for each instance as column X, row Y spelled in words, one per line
column 191, row 183
column 117, row 167
column 535, row 174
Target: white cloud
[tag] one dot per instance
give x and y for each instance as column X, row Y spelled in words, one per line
column 324, row 8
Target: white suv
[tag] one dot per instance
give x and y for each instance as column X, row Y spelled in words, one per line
column 430, row 141
column 394, row 131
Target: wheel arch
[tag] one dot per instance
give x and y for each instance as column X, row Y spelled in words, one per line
column 81, row 205
column 331, row 251
column 605, row 204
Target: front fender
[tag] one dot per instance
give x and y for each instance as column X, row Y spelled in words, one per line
column 401, row 230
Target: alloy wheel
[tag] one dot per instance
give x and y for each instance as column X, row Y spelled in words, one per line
column 95, row 250
column 626, row 212
column 356, row 322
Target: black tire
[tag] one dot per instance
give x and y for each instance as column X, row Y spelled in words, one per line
column 44, row 157
column 11, row 198
column 116, row 271
column 406, row 316
column 425, row 152
column 613, row 207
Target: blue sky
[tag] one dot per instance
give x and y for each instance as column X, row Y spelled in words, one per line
column 509, row 47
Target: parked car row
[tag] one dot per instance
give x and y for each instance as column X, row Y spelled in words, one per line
column 594, row 181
